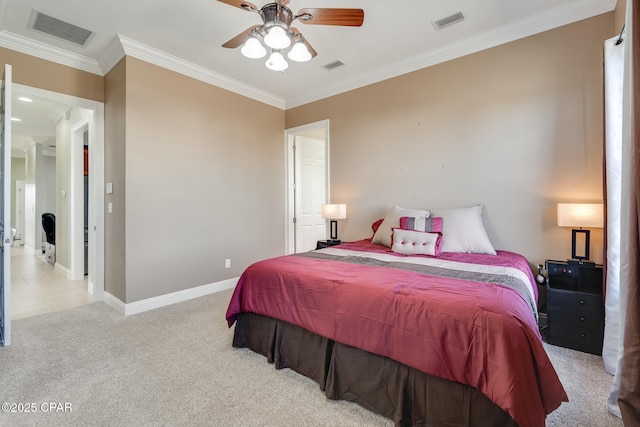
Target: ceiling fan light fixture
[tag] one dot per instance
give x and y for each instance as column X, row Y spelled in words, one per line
column 277, row 38
column 276, row 62
column 253, row 49
column 299, row 52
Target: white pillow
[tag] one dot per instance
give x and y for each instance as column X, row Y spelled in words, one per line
column 392, row 220
column 411, row 242
column 463, row 230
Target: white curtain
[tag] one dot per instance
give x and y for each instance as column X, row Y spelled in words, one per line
column 618, row 179
column 613, row 76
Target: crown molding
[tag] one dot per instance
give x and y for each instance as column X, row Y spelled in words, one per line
column 35, row 48
column 551, row 19
column 173, row 63
column 121, row 46
column 111, row 55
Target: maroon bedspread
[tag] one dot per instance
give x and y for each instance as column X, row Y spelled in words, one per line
column 479, row 334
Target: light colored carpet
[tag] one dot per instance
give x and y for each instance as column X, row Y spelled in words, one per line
column 175, row 366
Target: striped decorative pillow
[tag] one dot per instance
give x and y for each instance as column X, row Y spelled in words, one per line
column 429, row 225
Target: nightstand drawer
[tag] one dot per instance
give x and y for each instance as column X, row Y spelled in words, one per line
column 581, row 319
column 583, row 339
column 581, row 301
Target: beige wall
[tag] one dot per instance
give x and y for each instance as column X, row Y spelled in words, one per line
column 197, row 172
column 204, row 175
column 517, row 127
column 620, row 14
column 31, row 71
column 115, row 136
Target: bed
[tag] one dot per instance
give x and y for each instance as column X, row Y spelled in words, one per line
column 443, row 339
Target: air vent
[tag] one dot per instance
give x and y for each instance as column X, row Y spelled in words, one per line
column 63, row 30
column 449, row 20
column 333, row 65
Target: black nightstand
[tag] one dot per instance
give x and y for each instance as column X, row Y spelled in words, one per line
column 326, row 243
column 575, row 310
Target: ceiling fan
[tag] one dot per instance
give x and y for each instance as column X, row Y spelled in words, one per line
column 278, row 34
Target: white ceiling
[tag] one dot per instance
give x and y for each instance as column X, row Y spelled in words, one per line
column 397, row 37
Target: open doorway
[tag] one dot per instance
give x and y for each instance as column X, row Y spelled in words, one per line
column 78, row 203
column 307, row 162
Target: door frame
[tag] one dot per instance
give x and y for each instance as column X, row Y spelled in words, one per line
column 6, row 92
column 289, row 139
column 76, row 238
column 95, row 125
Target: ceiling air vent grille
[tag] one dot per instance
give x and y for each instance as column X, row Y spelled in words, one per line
column 333, row 65
column 449, row 20
column 63, row 30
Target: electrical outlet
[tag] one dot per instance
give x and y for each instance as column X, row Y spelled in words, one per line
column 227, row 263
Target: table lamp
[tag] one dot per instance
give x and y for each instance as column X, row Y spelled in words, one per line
column 577, row 216
column 334, row 212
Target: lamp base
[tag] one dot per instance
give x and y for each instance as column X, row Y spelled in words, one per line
column 580, row 244
column 334, row 229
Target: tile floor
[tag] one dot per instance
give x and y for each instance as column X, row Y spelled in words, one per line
column 37, row 288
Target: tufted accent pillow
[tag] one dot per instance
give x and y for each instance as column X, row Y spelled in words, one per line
column 411, row 242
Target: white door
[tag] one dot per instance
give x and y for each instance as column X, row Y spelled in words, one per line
column 5, row 208
column 310, row 192
column 307, row 185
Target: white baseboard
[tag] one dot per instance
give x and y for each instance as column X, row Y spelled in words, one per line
column 64, row 270
column 114, row 302
column 168, row 299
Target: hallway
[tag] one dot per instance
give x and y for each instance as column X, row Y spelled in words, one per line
column 36, row 287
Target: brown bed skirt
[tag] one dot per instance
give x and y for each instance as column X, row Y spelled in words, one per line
column 406, row 395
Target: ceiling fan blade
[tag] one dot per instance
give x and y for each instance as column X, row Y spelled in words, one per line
column 327, row 16
column 311, row 50
column 240, row 38
column 242, row 4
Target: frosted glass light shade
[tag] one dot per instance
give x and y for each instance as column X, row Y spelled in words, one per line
column 277, row 38
column 588, row 215
column 334, row 211
column 276, row 62
column 253, row 49
column 299, row 53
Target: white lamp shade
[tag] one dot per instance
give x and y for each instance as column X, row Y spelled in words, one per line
column 276, row 62
column 588, row 215
column 253, row 49
column 334, row 211
column 299, row 53
column 277, row 38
